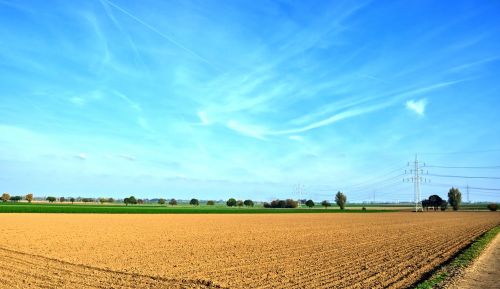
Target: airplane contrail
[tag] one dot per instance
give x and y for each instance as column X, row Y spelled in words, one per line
column 161, row 34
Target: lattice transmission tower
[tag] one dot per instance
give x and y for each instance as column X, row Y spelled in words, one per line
column 417, row 179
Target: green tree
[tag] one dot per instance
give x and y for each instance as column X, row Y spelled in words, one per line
column 248, row 203
column 161, row 201
column 172, row 202
column 340, row 199
column 5, row 197
column 231, row 202
column 310, row 203
column 72, row 200
column 210, row 203
column 140, row 201
column 492, row 207
column 239, row 203
column 51, row 199
column 194, row 202
column 130, row 200
column 29, row 197
column 454, row 198
column 110, row 200
column 16, row 198
column 326, row 204
column 62, row 199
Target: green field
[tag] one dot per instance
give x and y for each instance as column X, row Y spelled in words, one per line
column 157, row 209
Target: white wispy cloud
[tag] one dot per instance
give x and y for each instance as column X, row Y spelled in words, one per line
column 248, row 130
column 132, row 104
column 76, row 100
column 203, row 116
column 296, row 138
column 417, row 106
column 127, row 157
column 81, row 156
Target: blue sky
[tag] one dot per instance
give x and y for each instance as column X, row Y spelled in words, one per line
column 246, row 99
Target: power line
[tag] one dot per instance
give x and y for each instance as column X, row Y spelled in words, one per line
column 461, row 152
column 464, row 177
column 473, row 167
column 486, row 189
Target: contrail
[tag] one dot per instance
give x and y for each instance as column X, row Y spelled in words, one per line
column 161, row 34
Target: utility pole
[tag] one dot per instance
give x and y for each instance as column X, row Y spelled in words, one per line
column 417, row 179
column 468, row 201
column 299, row 190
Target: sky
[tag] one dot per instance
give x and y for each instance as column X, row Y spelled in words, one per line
column 249, row 99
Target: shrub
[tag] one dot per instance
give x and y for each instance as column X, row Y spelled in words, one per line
column 364, row 209
column 140, row 201
column 340, row 199
column 231, row 202
column 239, row 203
column 194, row 202
column 210, row 203
column 51, row 199
column 492, row 207
column 110, row 200
column 88, row 200
column 172, row 202
column 248, row 203
column 161, row 201
column 310, row 203
column 326, row 204
column 62, row 199
column 72, row 200
column 29, row 197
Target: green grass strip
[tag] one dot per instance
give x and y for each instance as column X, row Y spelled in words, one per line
column 463, row 260
column 152, row 209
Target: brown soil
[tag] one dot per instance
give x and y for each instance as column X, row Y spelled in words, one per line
column 390, row 250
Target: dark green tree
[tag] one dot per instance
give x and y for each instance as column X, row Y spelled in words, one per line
column 130, row 200
column 16, row 198
column 326, row 204
column 51, row 199
column 231, row 202
column 161, row 201
column 210, row 203
column 194, row 202
column 340, row 199
column 248, row 203
column 492, row 207
column 172, row 202
column 72, row 200
column 239, row 203
column 454, row 198
column 310, row 203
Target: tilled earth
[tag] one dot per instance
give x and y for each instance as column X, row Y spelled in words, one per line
column 386, row 250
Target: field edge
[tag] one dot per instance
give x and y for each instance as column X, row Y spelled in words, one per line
column 456, row 265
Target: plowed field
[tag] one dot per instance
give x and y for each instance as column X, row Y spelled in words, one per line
column 388, row 250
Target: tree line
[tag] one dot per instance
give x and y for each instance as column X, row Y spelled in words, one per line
column 434, row 202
